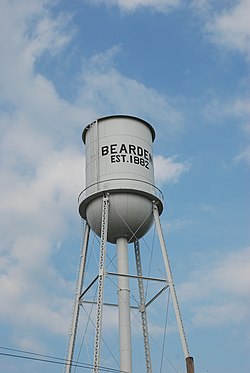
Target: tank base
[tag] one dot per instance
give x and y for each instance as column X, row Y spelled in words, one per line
column 130, row 216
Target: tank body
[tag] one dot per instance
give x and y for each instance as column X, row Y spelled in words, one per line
column 119, row 162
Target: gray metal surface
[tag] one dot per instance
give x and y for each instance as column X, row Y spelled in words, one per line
column 119, row 161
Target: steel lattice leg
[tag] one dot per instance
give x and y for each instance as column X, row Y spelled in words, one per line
column 102, row 260
column 76, row 309
column 143, row 308
column 171, row 283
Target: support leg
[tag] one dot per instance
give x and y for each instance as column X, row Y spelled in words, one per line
column 76, row 308
column 171, row 287
column 143, row 308
column 102, row 261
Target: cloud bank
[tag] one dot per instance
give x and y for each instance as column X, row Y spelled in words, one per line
column 42, row 171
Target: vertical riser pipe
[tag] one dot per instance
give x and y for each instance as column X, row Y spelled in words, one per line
column 124, row 307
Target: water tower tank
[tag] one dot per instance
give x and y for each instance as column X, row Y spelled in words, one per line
column 119, row 162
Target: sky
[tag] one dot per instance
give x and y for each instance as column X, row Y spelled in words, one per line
column 183, row 66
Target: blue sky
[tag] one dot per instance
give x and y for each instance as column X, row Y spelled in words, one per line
column 183, row 66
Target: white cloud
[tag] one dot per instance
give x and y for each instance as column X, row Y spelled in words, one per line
column 169, row 170
column 35, row 213
column 34, row 189
column 33, row 31
column 41, row 174
column 227, row 281
column 220, row 315
column 243, row 156
column 49, row 34
column 241, row 106
column 178, row 224
column 41, row 168
column 217, row 110
column 201, row 6
column 29, row 344
column 209, row 209
column 226, row 23
column 132, row 5
column 241, row 109
column 238, row 109
column 230, row 274
column 36, row 311
column 105, row 87
column 232, row 29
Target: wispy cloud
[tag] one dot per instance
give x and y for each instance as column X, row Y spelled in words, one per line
column 218, row 111
column 231, row 27
column 226, row 23
column 243, row 156
column 169, row 170
column 103, row 86
column 178, row 224
column 227, row 283
column 132, row 5
column 220, row 315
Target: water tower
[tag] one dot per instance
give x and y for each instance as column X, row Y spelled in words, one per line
column 120, row 203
